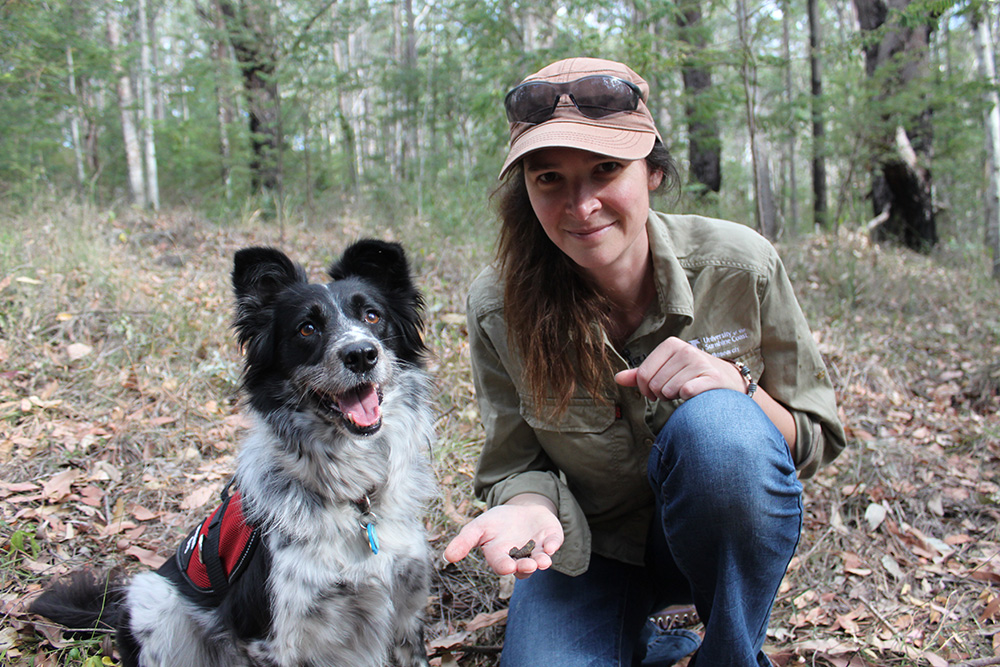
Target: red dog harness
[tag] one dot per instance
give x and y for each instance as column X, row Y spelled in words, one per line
column 217, row 552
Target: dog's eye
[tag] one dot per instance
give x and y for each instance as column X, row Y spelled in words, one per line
column 371, row 317
column 307, row 329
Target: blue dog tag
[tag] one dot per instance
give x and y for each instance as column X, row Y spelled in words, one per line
column 372, row 538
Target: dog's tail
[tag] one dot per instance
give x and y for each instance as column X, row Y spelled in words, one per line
column 83, row 602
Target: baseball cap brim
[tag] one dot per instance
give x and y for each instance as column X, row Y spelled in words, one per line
column 619, row 143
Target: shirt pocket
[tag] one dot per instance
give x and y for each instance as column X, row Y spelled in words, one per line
column 589, row 445
column 581, row 416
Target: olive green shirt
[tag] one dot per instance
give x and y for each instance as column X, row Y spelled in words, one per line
column 720, row 286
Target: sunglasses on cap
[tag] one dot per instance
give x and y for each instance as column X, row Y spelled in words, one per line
column 594, row 96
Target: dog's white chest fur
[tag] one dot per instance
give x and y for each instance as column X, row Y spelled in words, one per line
column 336, row 597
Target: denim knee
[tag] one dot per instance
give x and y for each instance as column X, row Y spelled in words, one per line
column 720, row 453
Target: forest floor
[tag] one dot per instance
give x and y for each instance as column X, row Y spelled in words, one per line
column 119, row 421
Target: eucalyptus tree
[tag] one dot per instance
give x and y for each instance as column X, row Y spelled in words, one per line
column 897, row 64
column 704, row 142
column 818, row 125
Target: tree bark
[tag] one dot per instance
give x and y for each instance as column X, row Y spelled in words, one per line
column 126, row 102
column 149, row 139
column 896, row 62
column 704, row 144
column 987, row 70
column 224, row 114
column 793, row 195
column 818, row 128
column 342, row 59
column 766, row 212
column 74, row 123
column 253, row 44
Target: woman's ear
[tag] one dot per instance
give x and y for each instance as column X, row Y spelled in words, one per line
column 655, row 178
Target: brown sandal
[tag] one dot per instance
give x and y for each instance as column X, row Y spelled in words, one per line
column 676, row 616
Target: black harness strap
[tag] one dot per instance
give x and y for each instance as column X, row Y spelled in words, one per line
column 210, row 551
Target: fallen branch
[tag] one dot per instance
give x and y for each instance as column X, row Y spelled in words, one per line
column 984, row 662
column 878, row 220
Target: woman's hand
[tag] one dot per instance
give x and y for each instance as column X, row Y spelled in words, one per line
column 677, row 369
column 509, row 527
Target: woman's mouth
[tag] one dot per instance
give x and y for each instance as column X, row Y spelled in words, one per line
column 589, row 232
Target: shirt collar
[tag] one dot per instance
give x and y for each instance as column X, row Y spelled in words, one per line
column 674, row 305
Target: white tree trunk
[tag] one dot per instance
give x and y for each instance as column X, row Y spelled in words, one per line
column 74, row 122
column 149, row 140
column 126, row 102
column 767, row 219
column 793, row 195
column 987, row 70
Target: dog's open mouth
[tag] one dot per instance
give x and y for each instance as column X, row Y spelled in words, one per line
column 359, row 408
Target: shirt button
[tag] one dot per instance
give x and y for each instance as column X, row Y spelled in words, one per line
column 648, row 442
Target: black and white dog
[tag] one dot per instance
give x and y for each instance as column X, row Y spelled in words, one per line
column 318, row 554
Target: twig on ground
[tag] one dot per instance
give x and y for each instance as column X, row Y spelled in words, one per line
column 982, row 662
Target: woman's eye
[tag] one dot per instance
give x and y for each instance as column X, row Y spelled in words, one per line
column 608, row 167
column 307, row 329
column 371, row 317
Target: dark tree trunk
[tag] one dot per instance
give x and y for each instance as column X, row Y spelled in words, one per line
column 818, row 129
column 256, row 54
column 897, row 60
column 704, row 145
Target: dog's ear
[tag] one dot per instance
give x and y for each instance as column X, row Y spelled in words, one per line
column 259, row 275
column 384, row 265
column 380, row 262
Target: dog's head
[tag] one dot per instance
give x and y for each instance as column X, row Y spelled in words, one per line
column 326, row 351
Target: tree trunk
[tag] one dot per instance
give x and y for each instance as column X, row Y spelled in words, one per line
column 766, row 213
column 348, row 136
column 897, row 62
column 704, row 145
column 224, row 115
column 987, row 70
column 149, row 140
column 74, row 123
column 793, row 194
column 253, row 44
column 818, row 129
column 411, row 82
column 126, row 102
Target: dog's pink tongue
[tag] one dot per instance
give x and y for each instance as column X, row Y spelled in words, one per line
column 361, row 405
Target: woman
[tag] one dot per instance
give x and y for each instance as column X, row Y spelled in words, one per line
column 648, row 386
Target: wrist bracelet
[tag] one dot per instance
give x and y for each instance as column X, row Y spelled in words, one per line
column 745, row 372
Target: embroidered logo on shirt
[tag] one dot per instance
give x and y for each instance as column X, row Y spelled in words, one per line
column 725, row 344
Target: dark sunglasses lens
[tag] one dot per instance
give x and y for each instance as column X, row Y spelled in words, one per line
column 594, row 96
column 531, row 103
column 600, row 96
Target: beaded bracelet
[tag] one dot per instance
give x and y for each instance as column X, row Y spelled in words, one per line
column 745, row 372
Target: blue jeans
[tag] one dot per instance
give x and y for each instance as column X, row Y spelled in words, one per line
column 728, row 517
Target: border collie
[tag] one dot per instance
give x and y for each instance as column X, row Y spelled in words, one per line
column 317, row 556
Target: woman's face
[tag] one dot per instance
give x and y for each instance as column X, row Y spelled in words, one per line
column 593, row 207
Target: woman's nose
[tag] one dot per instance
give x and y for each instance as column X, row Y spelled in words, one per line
column 583, row 202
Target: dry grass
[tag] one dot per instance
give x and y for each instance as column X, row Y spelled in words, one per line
column 119, row 412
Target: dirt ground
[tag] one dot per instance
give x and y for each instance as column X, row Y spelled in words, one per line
column 119, row 420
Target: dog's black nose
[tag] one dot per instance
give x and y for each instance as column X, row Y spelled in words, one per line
column 360, row 357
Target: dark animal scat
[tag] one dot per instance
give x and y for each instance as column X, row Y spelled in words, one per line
column 523, row 552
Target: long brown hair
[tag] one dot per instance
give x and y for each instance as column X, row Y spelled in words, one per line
column 555, row 318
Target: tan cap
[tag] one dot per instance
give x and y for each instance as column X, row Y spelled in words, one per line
column 627, row 135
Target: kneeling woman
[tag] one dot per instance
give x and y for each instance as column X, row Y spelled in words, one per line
column 649, row 388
